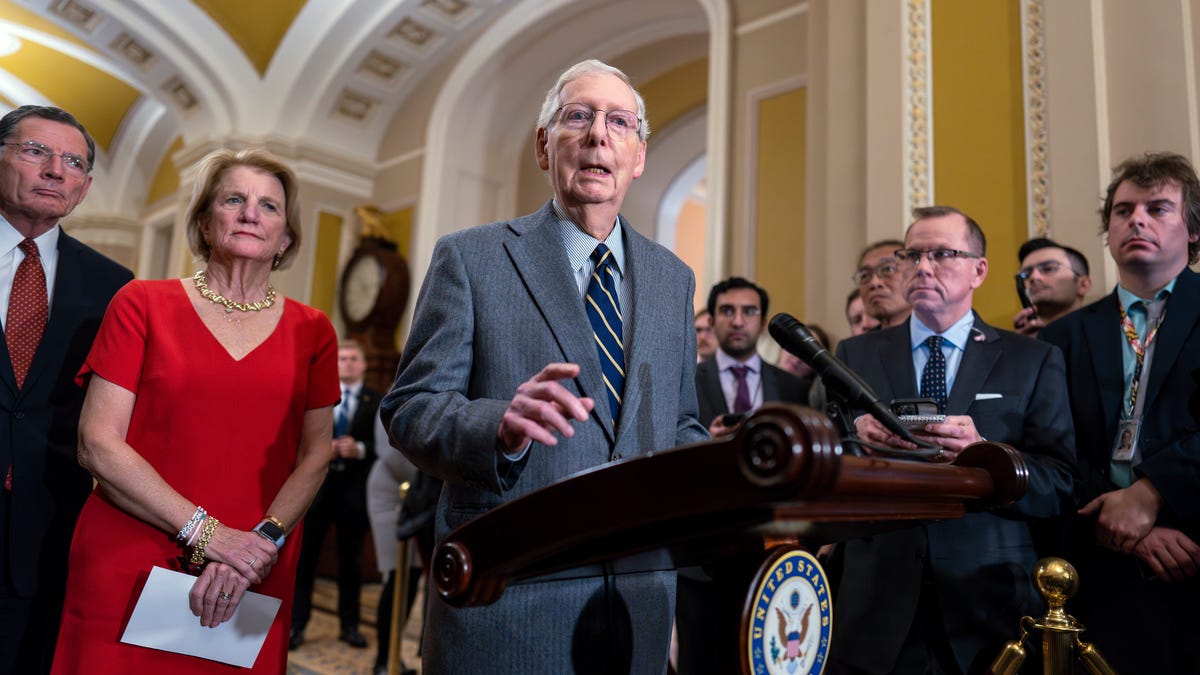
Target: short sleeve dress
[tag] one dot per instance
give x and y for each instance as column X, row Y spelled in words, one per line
column 222, row 432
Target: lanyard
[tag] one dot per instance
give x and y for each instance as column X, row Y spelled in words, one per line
column 1139, row 349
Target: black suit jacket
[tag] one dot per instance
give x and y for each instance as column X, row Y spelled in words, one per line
column 777, row 385
column 1090, row 339
column 1014, row 388
column 39, row 423
column 348, row 488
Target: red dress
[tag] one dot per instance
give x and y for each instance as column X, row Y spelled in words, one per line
column 223, row 433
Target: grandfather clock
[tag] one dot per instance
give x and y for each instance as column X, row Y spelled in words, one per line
column 373, row 294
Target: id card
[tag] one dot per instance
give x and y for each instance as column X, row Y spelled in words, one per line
column 1125, row 445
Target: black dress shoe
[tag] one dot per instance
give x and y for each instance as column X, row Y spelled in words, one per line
column 353, row 638
column 295, row 640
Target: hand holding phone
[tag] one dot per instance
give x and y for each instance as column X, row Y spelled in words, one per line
column 915, row 413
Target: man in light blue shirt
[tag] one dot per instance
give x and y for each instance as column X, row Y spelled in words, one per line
column 1133, row 358
column 931, row 598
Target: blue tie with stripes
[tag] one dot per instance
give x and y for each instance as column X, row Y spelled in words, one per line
column 604, row 313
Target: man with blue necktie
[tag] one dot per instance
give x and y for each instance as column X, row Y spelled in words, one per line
column 1133, row 363
column 342, row 501
column 943, row 597
column 542, row 346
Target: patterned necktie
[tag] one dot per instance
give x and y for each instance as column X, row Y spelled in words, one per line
column 604, row 313
column 933, row 378
column 741, row 400
column 27, row 314
column 27, row 311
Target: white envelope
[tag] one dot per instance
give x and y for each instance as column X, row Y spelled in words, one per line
column 163, row 620
column 986, row 397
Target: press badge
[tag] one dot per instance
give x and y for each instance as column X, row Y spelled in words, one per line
column 1125, row 444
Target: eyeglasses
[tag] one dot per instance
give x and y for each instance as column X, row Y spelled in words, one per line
column 579, row 116
column 730, row 311
column 33, row 152
column 884, row 270
column 1045, row 268
column 909, row 258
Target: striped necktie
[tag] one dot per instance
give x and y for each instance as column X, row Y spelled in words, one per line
column 604, row 313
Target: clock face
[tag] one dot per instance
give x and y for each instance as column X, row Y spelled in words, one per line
column 361, row 287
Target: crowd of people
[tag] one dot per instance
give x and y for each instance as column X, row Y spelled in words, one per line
column 550, row 344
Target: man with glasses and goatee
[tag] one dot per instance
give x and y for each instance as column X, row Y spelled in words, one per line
column 542, row 346
column 944, row 597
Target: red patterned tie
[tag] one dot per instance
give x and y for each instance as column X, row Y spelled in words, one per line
column 27, row 314
column 27, row 311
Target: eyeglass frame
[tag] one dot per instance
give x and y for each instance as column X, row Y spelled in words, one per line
column 875, row 271
column 66, row 157
column 635, row 129
column 901, row 256
column 1024, row 274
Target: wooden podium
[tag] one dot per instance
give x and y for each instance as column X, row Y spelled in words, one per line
column 782, row 475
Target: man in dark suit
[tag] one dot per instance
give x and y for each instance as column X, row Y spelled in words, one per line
column 944, row 597
column 736, row 380
column 732, row 384
column 45, row 166
column 341, row 501
column 542, row 346
column 1138, row 546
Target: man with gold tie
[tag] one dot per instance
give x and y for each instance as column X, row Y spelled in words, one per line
column 53, row 293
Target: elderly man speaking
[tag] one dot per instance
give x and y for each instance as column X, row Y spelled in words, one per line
column 540, row 347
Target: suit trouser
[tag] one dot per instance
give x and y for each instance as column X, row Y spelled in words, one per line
column 28, row 627
column 352, row 525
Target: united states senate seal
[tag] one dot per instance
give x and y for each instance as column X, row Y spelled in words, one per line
column 790, row 616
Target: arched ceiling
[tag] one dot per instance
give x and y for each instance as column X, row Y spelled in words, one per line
column 147, row 76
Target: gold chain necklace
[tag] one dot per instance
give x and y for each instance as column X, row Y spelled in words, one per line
column 216, row 298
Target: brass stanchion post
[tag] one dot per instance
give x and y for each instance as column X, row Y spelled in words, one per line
column 1057, row 581
column 399, row 597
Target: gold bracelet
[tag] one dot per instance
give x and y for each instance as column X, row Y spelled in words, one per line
column 277, row 522
column 210, row 526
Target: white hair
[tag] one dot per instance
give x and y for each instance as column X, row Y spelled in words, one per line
column 589, row 67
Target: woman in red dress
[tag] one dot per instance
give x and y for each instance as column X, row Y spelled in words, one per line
column 208, row 417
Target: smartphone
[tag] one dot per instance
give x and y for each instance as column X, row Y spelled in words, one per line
column 915, row 413
column 1025, row 301
column 731, row 420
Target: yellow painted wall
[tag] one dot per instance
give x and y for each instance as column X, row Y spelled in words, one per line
column 323, row 293
column 979, row 138
column 689, row 243
column 675, row 92
column 780, row 199
column 166, row 178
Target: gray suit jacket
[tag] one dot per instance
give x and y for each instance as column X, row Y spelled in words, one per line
column 777, row 385
column 1015, row 390
column 499, row 303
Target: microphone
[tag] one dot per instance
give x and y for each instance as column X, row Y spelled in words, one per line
column 837, row 376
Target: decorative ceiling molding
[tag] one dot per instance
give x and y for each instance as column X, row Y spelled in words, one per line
column 1037, row 142
column 76, row 14
column 918, row 99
